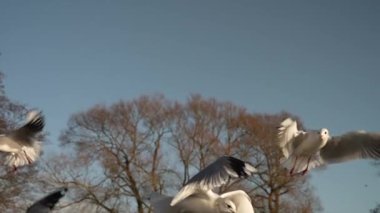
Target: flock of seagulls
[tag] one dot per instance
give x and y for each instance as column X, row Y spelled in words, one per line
column 302, row 151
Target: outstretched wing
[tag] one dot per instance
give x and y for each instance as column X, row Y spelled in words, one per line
column 47, row 203
column 287, row 133
column 35, row 123
column 215, row 175
column 350, row 146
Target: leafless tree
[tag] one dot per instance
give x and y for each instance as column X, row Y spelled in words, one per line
column 201, row 131
column 122, row 145
column 123, row 152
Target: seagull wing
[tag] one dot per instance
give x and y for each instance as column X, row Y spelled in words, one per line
column 241, row 200
column 214, row 175
column 47, row 203
column 35, row 124
column 287, row 133
column 350, row 146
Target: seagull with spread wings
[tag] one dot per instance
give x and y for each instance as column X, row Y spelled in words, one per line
column 305, row 150
column 21, row 144
column 197, row 194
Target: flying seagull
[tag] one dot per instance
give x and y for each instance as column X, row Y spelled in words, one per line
column 21, row 144
column 197, row 194
column 305, row 150
column 46, row 204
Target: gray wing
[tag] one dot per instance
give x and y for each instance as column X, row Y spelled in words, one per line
column 46, row 204
column 35, row 124
column 215, row 175
column 350, row 146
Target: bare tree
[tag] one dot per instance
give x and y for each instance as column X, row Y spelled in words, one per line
column 122, row 143
column 202, row 130
column 123, row 152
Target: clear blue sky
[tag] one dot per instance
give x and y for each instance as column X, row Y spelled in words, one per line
column 317, row 59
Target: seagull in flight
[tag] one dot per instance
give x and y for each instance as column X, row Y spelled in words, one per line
column 305, row 150
column 197, row 194
column 46, row 204
column 21, row 144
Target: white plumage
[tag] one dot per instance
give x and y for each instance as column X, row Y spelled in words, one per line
column 21, row 144
column 197, row 194
column 305, row 150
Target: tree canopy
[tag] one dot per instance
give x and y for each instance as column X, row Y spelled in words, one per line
column 116, row 155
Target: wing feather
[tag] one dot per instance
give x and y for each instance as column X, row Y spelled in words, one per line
column 287, row 132
column 35, row 123
column 214, row 175
column 350, row 146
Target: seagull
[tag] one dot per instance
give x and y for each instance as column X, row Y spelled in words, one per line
column 197, row 194
column 307, row 150
column 20, row 144
column 46, row 204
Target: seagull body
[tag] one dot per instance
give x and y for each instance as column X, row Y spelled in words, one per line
column 46, row 204
column 197, row 194
column 231, row 202
column 305, row 150
column 20, row 144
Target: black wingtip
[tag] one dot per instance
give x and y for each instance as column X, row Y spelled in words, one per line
column 53, row 198
column 239, row 166
column 36, row 122
column 48, row 202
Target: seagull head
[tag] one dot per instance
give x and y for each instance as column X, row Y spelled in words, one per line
column 227, row 206
column 325, row 136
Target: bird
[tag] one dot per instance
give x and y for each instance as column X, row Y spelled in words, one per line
column 46, row 204
column 305, row 150
column 21, row 144
column 197, row 194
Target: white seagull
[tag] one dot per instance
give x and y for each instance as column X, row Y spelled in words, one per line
column 46, row 204
column 305, row 150
column 197, row 194
column 21, row 144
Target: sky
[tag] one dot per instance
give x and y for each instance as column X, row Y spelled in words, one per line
column 319, row 60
